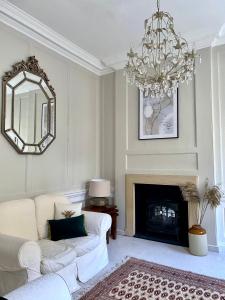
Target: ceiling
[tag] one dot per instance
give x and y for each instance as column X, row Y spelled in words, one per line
column 107, row 28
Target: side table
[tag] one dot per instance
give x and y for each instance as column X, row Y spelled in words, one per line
column 111, row 210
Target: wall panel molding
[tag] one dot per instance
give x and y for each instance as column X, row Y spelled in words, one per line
column 76, row 196
column 191, row 154
column 163, row 151
column 173, row 162
column 71, row 160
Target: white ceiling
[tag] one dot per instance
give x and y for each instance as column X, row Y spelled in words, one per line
column 107, row 28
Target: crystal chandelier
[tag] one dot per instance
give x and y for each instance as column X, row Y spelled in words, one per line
column 165, row 61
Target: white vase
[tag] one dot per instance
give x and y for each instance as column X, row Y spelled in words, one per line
column 198, row 244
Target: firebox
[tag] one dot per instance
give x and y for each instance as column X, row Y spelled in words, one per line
column 161, row 214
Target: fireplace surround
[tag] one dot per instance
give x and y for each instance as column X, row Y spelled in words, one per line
column 170, row 180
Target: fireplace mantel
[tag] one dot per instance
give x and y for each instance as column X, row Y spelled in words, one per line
column 132, row 179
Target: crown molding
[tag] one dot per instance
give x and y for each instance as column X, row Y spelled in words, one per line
column 220, row 38
column 21, row 21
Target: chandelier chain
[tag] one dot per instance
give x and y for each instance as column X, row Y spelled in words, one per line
column 158, row 4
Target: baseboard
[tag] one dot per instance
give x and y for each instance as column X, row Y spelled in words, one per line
column 76, row 196
column 214, row 248
column 121, row 232
column 221, row 248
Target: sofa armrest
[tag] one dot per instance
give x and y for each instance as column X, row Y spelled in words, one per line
column 98, row 223
column 50, row 286
column 17, row 253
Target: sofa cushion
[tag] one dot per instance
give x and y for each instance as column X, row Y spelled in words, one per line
column 55, row 256
column 17, row 218
column 45, row 210
column 61, row 209
column 83, row 245
column 67, row 228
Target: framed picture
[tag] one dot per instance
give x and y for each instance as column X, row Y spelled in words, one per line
column 158, row 119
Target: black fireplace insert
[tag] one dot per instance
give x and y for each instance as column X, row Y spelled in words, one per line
column 161, row 214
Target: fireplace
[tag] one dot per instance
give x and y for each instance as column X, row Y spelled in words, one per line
column 161, row 214
column 184, row 208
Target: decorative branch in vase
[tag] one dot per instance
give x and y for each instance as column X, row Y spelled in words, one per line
column 210, row 198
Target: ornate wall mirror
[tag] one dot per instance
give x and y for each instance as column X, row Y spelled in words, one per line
column 28, row 108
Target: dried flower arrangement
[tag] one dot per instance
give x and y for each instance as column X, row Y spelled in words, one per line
column 68, row 213
column 211, row 197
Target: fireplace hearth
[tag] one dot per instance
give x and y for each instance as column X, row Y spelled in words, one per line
column 161, row 214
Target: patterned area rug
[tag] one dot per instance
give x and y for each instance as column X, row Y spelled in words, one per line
column 141, row 280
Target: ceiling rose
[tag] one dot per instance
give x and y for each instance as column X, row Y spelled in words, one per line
column 165, row 61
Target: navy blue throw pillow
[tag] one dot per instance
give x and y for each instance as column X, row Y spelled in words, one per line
column 67, row 228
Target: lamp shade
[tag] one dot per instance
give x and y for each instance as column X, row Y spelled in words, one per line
column 99, row 188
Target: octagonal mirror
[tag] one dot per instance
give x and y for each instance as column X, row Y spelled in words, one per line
column 29, row 108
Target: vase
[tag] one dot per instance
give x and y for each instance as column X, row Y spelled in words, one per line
column 198, row 244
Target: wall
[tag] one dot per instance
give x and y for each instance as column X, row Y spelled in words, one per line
column 107, row 132
column 97, row 130
column 190, row 154
column 218, row 92
column 74, row 157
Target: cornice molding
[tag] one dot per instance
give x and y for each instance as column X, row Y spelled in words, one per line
column 220, row 38
column 33, row 28
column 21, row 21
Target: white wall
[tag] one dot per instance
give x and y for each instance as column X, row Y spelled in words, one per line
column 107, row 132
column 218, row 92
column 74, row 157
column 191, row 154
column 97, row 131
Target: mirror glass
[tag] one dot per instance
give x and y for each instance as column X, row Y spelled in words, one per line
column 29, row 112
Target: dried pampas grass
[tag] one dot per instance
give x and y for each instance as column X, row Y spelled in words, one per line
column 190, row 192
column 211, row 197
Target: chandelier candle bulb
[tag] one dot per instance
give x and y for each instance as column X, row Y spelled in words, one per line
column 165, row 61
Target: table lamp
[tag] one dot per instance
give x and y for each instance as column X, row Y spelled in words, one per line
column 99, row 191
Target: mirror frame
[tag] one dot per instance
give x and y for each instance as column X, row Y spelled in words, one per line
column 30, row 66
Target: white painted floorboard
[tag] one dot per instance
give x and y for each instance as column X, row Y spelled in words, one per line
column 174, row 256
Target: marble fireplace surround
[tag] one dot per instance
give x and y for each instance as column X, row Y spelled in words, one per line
column 132, row 179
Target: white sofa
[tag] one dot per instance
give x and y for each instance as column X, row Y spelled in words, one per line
column 26, row 253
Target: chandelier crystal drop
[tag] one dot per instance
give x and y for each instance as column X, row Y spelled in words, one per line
column 165, row 61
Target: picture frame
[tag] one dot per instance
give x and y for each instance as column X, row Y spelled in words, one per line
column 158, row 117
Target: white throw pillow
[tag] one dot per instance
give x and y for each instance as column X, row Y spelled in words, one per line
column 61, row 209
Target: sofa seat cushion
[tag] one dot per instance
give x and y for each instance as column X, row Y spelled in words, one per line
column 84, row 244
column 55, row 255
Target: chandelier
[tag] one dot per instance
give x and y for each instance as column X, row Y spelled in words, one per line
column 165, row 60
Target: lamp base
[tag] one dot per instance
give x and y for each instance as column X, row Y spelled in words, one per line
column 98, row 201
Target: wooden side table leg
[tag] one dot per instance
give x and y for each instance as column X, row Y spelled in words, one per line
column 107, row 236
column 114, row 226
